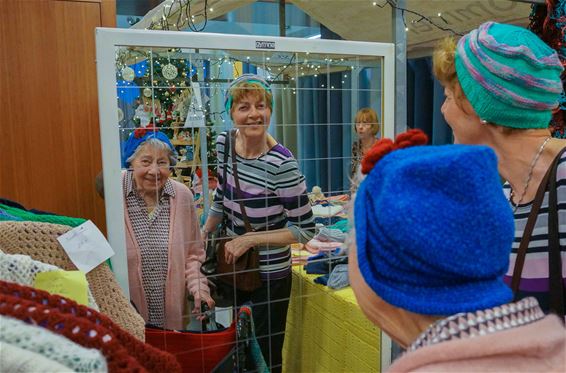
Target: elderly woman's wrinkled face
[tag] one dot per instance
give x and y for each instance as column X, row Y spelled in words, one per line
column 151, row 169
column 251, row 114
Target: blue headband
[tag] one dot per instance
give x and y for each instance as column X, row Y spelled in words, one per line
column 247, row 78
column 138, row 137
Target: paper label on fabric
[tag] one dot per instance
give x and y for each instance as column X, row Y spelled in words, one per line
column 86, row 246
column 69, row 284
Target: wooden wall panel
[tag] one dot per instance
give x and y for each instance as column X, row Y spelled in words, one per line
column 49, row 132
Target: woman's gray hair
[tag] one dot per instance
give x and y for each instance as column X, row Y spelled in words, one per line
column 156, row 144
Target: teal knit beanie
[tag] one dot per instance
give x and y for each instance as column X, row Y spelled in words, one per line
column 509, row 75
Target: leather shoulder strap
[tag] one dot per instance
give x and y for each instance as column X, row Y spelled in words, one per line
column 556, row 288
column 531, row 220
column 526, row 239
column 224, row 176
column 237, row 181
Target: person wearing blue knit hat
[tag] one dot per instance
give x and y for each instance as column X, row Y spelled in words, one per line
column 163, row 242
column 430, row 245
column 502, row 83
column 141, row 135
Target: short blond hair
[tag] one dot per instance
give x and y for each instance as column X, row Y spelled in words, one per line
column 367, row 115
column 444, row 66
column 245, row 89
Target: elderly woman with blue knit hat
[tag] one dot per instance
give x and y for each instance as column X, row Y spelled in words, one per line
column 433, row 233
column 273, row 193
column 163, row 241
column 502, row 84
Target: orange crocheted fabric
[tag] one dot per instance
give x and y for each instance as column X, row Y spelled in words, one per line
column 72, row 314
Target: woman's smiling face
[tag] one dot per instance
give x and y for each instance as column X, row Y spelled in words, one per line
column 251, row 114
column 151, row 169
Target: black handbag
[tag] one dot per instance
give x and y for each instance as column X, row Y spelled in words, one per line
column 556, row 290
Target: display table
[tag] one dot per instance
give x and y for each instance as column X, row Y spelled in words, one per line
column 327, row 331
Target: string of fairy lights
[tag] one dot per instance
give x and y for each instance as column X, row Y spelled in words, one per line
column 176, row 14
column 433, row 20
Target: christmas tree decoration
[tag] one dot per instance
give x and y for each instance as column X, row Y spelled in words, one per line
column 169, row 71
column 128, row 74
column 147, row 92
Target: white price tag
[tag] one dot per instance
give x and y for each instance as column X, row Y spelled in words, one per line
column 86, row 246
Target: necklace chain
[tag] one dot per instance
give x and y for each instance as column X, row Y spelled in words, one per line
column 529, row 176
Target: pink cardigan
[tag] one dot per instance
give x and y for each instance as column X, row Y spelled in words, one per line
column 536, row 347
column 186, row 253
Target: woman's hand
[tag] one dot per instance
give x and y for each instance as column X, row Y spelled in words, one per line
column 238, row 247
column 199, row 297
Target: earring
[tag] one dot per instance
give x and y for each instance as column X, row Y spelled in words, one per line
column 483, row 121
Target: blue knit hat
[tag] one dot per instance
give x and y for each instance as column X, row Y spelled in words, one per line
column 434, row 230
column 248, row 78
column 509, row 75
column 138, row 137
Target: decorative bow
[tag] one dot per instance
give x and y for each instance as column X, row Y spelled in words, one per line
column 383, row 147
column 141, row 131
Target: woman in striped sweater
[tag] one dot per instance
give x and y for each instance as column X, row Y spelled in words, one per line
column 276, row 203
column 501, row 84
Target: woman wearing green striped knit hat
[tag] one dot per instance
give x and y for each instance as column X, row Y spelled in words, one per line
column 502, row 84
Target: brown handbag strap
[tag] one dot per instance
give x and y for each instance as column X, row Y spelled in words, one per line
column 556, row 288
column 527, row 233
column 237, row 181
column 227, row 147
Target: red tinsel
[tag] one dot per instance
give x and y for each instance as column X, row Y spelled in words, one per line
column 383, row 147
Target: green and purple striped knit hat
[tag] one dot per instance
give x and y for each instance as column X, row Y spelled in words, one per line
column 509, row 75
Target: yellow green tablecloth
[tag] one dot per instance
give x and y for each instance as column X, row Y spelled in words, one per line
column 327, row 331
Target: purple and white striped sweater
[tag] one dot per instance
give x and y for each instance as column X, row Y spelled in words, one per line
column 535, row 276
column 275, row 196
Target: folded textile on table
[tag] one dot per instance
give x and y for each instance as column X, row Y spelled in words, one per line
column 44, row 218
column 323, row 263
column 315, row 246
column 10, row 203
column 50, row 345
column 322, row 280
column 338, row 278
column 327, row 234
column 21, row 269
column 18, row 360
column 326, row 211
column 327, row 221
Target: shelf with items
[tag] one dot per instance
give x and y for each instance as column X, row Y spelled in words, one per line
column 187, row 146
column 176, row 142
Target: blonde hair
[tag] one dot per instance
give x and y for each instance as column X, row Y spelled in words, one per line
column 245, row 89
column 367, row 115
column 444, row 67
